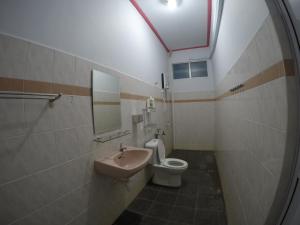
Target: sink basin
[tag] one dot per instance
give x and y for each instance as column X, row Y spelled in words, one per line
column 125, row 164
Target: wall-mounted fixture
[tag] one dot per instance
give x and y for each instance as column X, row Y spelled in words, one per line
column 237, row 87
column 164, row 81
column 29, row 95
column 137, row 118
column 159, row 132
column 150, row 104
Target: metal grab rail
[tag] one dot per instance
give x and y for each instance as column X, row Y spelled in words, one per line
column 29, row 95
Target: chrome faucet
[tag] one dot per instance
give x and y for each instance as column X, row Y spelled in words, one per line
column 159, row 132
column 122, row 147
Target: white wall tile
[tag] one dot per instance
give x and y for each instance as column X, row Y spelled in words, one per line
column 12, row 122
column 38, row 115
column 13, row 57
column 64, row 68
column 251, row 132
column 12, row 165
column 194, row 125
column 83, row 71
column 39, row 63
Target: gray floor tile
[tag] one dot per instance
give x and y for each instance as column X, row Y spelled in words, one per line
column 210, row 218
column 159, row 210
column 170, row 190
column 210, row 202
column 198, row 201
column 140, row 206
column 148, row 193
column 153, row 186
column 128, row 218
column 152, row 221
column 196, row 176
column 185, row 200
column 175, row 223
column 182, row 215
column 166, row 198
column 188, row 189
column 204, row 190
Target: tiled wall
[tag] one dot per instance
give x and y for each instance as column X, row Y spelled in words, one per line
column 47, row 153
column 252, row 128
column 194, row 120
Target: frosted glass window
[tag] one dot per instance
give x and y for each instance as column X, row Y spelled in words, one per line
column 181, row 71
column 190, row 70
column 199, row 69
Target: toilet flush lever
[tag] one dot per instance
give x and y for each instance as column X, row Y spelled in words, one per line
column 157, row 133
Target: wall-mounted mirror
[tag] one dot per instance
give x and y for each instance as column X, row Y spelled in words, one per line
column 106, row 102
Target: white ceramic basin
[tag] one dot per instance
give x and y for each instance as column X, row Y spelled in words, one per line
column 125, row 164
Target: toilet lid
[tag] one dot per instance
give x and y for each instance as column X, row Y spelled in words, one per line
column 175, row 163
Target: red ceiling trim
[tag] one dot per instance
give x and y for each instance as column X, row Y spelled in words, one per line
column 198, row 46
column 209, row 13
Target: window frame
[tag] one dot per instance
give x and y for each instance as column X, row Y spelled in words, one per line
column 190, row 71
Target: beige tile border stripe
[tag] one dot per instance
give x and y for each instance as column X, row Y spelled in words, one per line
column 129, row 96
column 195, row 100
column 12, row 84
column 106, row 103
column 125, row 95
column 280, row 69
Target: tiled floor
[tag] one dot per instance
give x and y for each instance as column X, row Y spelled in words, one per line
column 199, row 201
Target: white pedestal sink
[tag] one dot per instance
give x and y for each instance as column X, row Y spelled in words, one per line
column 123, row 165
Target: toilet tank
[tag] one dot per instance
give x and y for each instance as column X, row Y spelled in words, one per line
column 158, row 148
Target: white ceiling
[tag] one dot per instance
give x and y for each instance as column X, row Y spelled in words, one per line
column 183, row 27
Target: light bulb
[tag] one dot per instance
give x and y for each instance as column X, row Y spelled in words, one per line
column 172, row 4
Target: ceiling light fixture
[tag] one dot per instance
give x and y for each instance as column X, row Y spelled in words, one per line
column 172, row 4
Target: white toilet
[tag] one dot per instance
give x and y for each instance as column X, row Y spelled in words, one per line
column 167, row 171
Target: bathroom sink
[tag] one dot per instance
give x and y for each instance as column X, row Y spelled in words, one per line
column 123, row 165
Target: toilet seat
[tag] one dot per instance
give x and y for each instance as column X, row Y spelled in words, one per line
column 166, row 171
column 175, row 163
